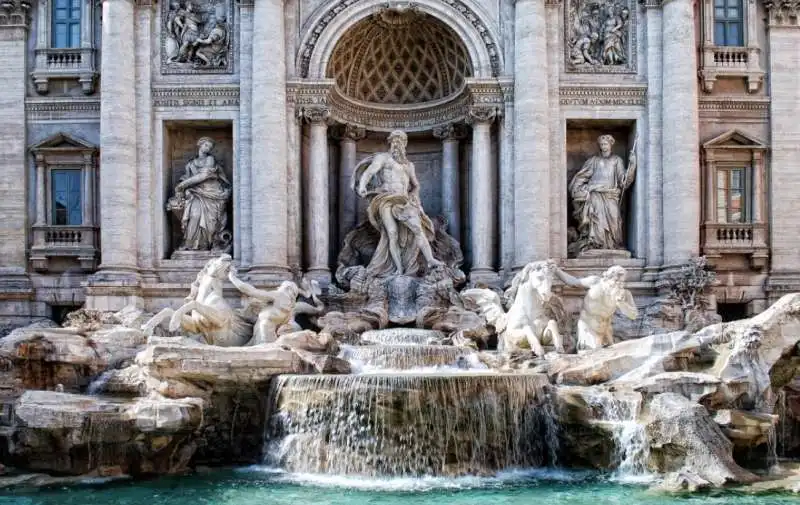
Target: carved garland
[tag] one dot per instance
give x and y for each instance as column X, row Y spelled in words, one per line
column 457, row 5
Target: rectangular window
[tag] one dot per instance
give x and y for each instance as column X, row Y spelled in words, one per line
column 66, row 23
column 65, row 185
column 732, row 199
column 728, row 23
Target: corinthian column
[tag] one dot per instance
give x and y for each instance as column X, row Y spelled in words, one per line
column 348, row 202
column 318, row 224
column 531, row 134
column 681, row 182
column 268, row 177
column 450, row 135
column 118, row 173
column 783, row 34
column 482, row 208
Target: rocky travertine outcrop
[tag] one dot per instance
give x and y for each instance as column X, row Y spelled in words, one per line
column 74, row 434
column 685, row 441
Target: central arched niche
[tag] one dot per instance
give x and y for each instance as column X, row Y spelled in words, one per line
column 400, row 57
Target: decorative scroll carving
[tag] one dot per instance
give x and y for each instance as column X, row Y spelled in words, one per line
column 482, row 114
column 458, row 6
column 450, row 131
column 601, row 36
column 316, row 114
column 196, row 36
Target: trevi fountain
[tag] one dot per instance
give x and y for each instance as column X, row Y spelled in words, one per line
column 399, row 381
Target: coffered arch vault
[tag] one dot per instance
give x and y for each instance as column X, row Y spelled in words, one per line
column 335, row 19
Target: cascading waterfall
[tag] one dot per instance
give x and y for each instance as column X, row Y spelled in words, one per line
column 621, row 411
column 405, row 357
column 408, row 425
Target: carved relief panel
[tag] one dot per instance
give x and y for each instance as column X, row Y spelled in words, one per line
column 600, row 36
column 196, row 36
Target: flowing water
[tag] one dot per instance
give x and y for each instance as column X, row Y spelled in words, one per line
column 621, row 411
column 408, row 424
column 258, row 486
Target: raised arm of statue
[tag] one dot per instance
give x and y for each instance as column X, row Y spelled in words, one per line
column 585, row 282
column 627, row 306
column 249, row 290
column 369, row 173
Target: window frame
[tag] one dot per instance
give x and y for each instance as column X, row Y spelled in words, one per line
column 50, row 191
column 746, row 192
column 70, row 22
column 726, row 21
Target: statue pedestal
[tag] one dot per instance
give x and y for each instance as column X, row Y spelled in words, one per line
column 616, row 254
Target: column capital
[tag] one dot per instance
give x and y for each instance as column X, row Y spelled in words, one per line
column 783, row 13
column 316, row 114
column 481, row 114
column 350, row 132
column 450, row 131
column 14, row 13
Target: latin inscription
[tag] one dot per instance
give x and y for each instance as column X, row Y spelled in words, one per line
column 196, row 102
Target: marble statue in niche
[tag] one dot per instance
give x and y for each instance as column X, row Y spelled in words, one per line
column 599, row 38
column 201, row 198
column 597, row 191
column 390, row 185
column 197, row 36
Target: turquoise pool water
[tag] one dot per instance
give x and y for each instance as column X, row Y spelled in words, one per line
column 256, row 486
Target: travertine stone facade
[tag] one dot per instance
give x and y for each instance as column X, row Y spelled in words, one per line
column 498, row 103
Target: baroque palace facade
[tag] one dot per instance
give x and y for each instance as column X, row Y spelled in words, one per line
column 141, row 138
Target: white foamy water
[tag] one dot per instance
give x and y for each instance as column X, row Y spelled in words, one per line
column 424, row 483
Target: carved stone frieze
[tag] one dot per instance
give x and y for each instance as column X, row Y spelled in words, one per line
column 14, row 13
column 600, row 36
column 305, row 93
column 196, row 97
column 197, row 36
column 337, row 8
column 748, row 109
column 783, row 12
column 68, row 109
column 603, row 95
column 385, row 119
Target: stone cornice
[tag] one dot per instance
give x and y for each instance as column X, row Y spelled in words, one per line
column 603, row 95
column 14, row 13
column 783, row 13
